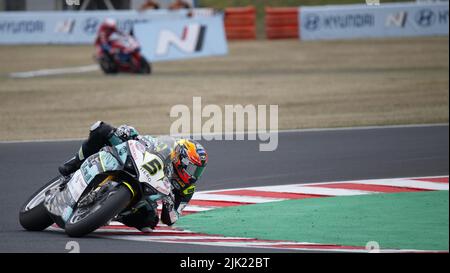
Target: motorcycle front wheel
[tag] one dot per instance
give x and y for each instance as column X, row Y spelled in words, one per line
column 146, row 67
column 108, row 65
column 86, row 219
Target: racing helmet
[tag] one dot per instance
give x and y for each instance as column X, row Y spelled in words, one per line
column 190, row 159
column 110, row 23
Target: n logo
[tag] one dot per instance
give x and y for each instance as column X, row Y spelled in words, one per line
column 397, row 19
column 191, row 40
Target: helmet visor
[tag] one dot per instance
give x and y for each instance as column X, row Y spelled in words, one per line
column 194, row 171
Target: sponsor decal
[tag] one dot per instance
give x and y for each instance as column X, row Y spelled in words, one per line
column 314, row 22
column 425, row 18
column 126, row 25
column 91, row 25
column 65, row 26
column 191, row 40
column 76, row 186
column 428, row 18
column 443, row 17
column 146, row 174
column 396, row 19
column 21, row 27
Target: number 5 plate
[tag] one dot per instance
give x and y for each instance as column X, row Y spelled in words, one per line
column 151, row 168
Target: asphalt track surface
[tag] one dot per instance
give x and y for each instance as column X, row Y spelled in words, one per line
column 301, row 157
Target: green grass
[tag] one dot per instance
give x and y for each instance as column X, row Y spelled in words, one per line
column 260, row 4
column 417, row 220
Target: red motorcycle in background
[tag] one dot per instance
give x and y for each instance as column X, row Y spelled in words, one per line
column 126, row 57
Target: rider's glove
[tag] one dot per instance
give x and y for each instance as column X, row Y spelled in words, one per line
column 125, row 132
column 169, row 214
column 169, row 201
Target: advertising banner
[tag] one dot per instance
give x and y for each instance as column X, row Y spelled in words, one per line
column 71, row 27
column 366, row 21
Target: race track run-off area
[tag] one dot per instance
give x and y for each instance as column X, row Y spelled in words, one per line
column 332, row 195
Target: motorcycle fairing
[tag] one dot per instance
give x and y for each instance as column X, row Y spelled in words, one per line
column 61, row 204
column 99, row 163
column 150, row 167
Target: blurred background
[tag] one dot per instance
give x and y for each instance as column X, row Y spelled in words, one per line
column 316, row 81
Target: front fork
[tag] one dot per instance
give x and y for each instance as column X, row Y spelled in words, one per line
column 150, row 202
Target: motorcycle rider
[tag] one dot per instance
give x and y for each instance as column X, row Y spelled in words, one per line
column 103, row 41
column 188, row 160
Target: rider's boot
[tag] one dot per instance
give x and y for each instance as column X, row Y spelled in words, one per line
column 67, row 168
column 70, row 166
column 146, row 229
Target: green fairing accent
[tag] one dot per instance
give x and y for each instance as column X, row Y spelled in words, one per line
column 122, row 150
column 134, row 133
column 149, row 138
column 155, row 197
column 103, row 161
column 109, row 163
column 90, row 171
column 115, row 140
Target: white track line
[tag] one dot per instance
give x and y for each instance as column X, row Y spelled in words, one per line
column 406, row 183
column 234, row 198
column 54, row 71
column 193, row 208
column 368, row 181
column 311, row 190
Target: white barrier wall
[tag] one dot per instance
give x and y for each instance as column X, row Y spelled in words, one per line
column 370, row 21
column 70, row 27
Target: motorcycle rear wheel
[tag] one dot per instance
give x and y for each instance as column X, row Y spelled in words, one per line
column 33, row 215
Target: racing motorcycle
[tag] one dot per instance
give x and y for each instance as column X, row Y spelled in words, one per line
column 128, row 57
column 108, row 185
